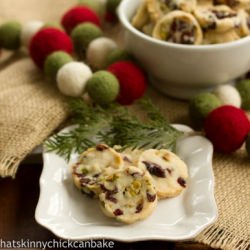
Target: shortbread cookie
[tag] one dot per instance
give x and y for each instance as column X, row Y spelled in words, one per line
column 128, row 195
column 141, row 17
column 169, row 172
column 178, row 27
column 92, row 166
column 234, row 4
column 158, row 8
column 212, row 37
column 219, row 18
column 244, row 28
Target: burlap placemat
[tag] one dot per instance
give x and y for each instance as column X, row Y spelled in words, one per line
column 30, row 109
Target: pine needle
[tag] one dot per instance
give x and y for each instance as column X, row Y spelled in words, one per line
column 113, row 125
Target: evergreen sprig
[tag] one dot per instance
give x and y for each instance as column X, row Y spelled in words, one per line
column 113, row 125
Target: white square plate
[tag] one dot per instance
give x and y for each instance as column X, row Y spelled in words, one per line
column 71, row 215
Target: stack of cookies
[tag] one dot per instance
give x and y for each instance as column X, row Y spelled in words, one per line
column 129, row 184
column 194, row 21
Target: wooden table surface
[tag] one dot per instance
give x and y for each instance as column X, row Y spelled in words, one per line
column 18, row 201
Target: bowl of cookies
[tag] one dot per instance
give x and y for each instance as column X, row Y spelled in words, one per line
column 188, row 46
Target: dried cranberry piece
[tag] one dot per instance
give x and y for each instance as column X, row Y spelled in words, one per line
column 109, row 196
column 118, row 212
column 101, row 147
column 125, row 158
column 84, row 181
column 169, row 171
column 223, row 14
column 109, row 193
column 139, row 208
column 181, row 181
column 150, row 197
column 154, row 169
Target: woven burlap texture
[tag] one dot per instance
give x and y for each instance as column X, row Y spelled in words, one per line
column 31, row 109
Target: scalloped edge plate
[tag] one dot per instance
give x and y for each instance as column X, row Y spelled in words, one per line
column 70, row 215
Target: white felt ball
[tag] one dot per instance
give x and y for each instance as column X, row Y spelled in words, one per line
column 98, row 51
column 29, row 30
column 72, row 78
column 228, row 95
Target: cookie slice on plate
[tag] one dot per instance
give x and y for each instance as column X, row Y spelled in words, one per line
column 168, row 171
column 93, row 164
column 128, row 195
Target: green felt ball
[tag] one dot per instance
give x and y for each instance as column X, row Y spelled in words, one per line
column 201, row 105
column 112, row 5
column 103, row 87
column 82, row 35
column 54, row 62
column 118, row 55
column 10, row 35
column 248, row 145
column 95, row 5
column 244, row 89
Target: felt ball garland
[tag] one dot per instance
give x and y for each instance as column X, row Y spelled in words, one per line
column 82, row 35
column 10, row 35
column 52, row 50
column 227, row 128
column 119, row 78
column 47, row 41
column 72, row 78
column 29, row 30
column 98, row 51
column 225, row 124
column 132, row 81
column 78, row 15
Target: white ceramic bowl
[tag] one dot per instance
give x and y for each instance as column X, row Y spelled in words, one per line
column 183, row 70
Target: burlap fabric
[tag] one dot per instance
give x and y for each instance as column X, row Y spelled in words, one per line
column 30, row 109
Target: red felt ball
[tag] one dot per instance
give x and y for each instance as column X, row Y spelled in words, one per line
column 227, row 128
column 132, row 81
column 47, row 41
column 78, row 15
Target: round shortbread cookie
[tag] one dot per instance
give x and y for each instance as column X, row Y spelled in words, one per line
column 234, row 4
column 128, row 195
column 158, row 8
column 169, row 172
column 244, row 29
column 212, row 37
column 141, row 16
column 92, row 166
column 219, row 18
column 178, row 27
